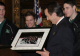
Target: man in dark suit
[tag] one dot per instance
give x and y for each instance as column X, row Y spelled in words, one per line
column 61, row 38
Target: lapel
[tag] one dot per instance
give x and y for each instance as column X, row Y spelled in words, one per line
column 55, row 28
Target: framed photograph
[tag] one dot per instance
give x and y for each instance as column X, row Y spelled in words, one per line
column 30, row 39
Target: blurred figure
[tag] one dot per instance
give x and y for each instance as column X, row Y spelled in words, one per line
column 7, row 28
column 74, row 18
column 30, row 20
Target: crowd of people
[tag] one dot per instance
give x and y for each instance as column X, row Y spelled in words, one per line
column 64, row 37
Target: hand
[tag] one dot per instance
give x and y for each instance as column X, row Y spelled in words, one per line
column 43, row 53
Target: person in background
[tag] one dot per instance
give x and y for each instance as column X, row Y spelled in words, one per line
column 30, row 20
column 61, row 38
column 70, row 7
column 7, row 29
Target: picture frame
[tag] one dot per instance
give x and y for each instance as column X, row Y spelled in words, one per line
column 30, row 39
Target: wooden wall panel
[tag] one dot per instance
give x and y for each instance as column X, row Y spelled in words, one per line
column 8, row 9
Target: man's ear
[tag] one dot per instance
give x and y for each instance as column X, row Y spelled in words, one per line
column 54, row 14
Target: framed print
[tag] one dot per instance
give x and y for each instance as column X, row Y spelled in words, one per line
column 30, row 39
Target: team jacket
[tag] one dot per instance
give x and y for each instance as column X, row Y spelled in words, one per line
column 8, row 33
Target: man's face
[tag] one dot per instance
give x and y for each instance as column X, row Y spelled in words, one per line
column 2, row 11
column 68, row 10
column 30, row 21
column 47, row 14
column 50, row 17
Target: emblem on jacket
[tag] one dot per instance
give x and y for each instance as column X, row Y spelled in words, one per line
column 7, row 31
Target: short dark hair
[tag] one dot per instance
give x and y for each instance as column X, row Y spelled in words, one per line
column 2, row 4
column 55, row 7
column 71, row 2
column 30, row 13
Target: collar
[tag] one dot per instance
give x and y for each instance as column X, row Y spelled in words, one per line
column 71, row 21
column 59, row 20
column 0, row 22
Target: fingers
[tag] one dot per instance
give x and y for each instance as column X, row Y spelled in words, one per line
column 43, row 53
column 44, row 49
column 39, row 52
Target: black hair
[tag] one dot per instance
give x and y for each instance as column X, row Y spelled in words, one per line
column 71, row 2
column 30, row 13
column 55, row 7
column 2, row 4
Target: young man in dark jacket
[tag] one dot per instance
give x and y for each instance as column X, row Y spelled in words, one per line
column 74, row 18
column 7, row 28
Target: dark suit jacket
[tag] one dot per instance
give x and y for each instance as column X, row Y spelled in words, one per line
column 76, row 26
column 61, row 39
